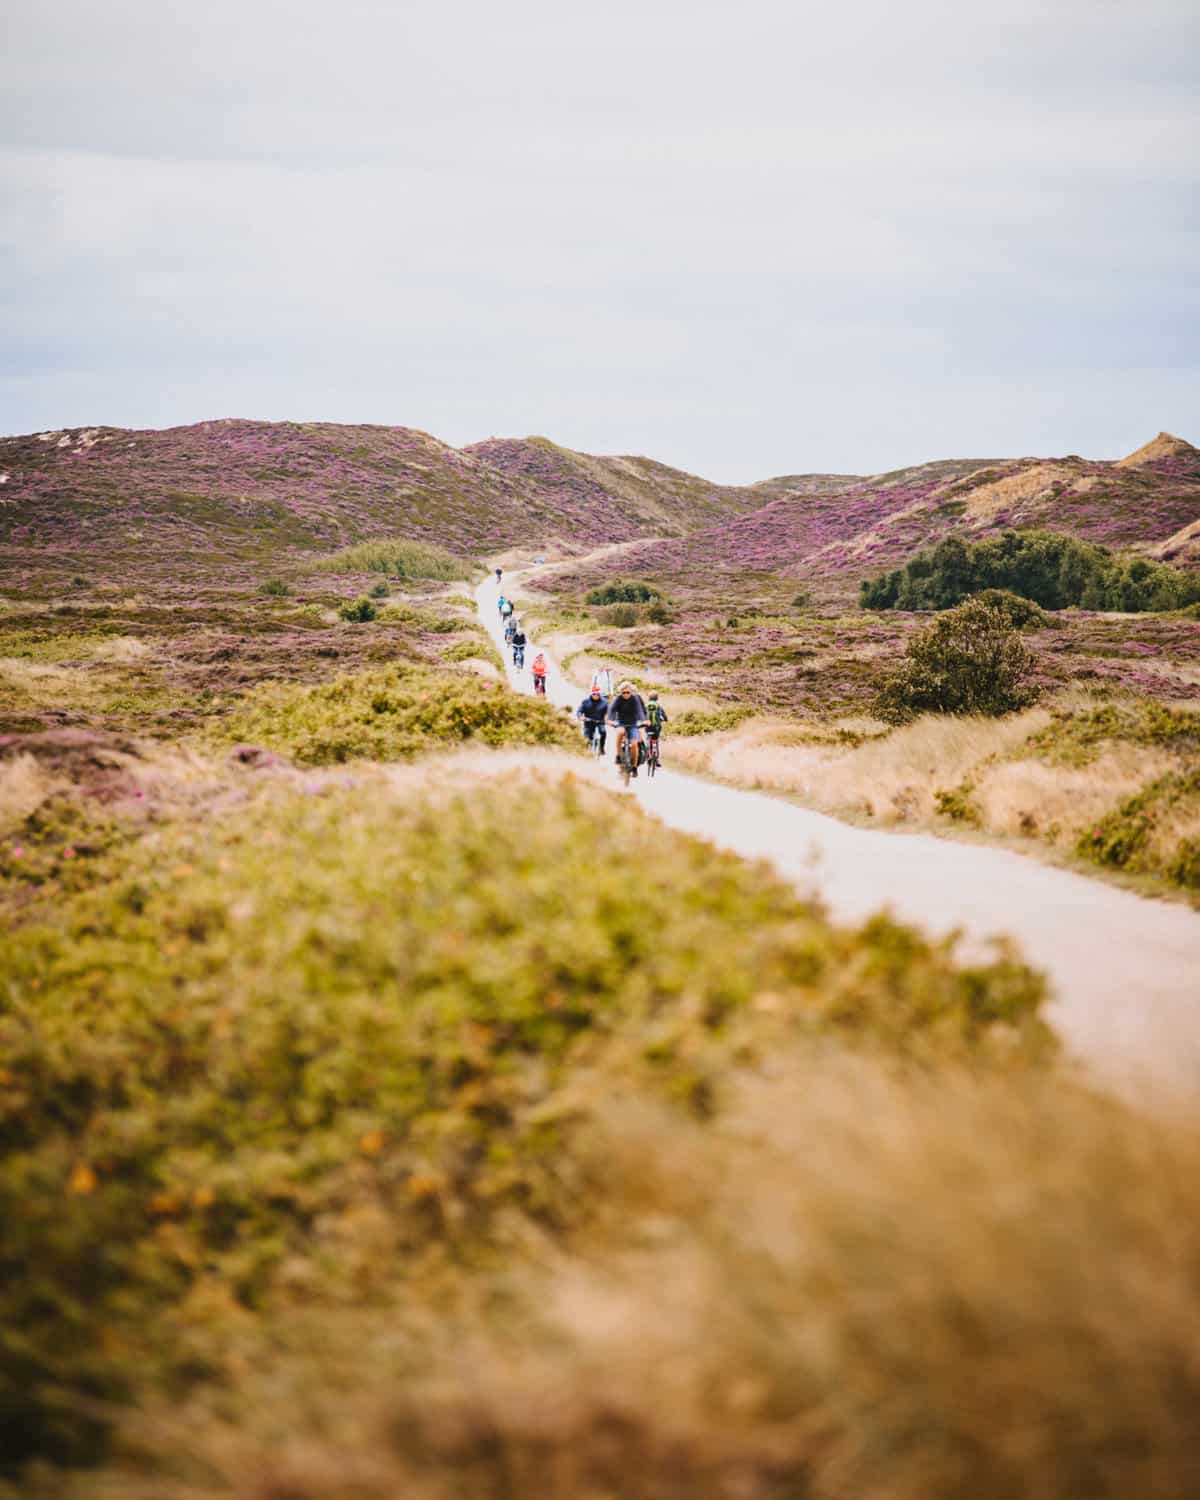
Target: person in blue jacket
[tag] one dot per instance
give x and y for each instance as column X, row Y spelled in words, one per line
column 593, row 715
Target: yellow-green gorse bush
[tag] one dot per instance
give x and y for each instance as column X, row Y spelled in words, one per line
column 369, row 1001
column 391, row 714
column 397, row 556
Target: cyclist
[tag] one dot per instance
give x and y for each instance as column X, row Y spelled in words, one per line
column 538, row 668
column 602, row 678
column 519, row 642
column 628, row 713
column 506, row 609
column 592, row 713
column 510, row 630
column 499, row 575
column 656, row 717
column 500, row 603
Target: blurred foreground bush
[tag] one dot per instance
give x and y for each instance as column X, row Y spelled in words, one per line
column 282, row 1056
column 856, row 1284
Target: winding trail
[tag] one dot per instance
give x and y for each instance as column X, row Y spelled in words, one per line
column 1124, row 970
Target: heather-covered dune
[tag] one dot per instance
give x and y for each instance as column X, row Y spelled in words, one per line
column 233, row 494
column 833, row 534
column 641, row 494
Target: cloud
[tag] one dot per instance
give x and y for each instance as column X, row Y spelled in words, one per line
column 745, row 239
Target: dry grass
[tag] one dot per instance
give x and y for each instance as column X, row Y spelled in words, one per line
column 123, row 648
column 1031, row 798
column 857, row 1286
column 38, row 682
column 892, row 778
column 24, row 787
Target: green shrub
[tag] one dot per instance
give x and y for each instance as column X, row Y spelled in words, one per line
column 1184, row 868
column 1021, row 614
column 623, row 591
column 390, row 714
column 275, row 588
column 357, row 611
column 958, row 803
column 1053, row 570
column 968, row 661
column 1125, row 838
column 623, row 616
column 287, row 1052
column 658, row 614
column 398, row 556
column 379, row 590
column 480, row 649
column 706, row 721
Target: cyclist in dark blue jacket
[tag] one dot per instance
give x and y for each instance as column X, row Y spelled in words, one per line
column 593, row 714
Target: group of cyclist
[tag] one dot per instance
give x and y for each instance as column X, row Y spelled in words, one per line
column 638, row 721
column 630, row 715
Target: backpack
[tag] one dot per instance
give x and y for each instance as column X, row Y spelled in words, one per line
column 655, row 714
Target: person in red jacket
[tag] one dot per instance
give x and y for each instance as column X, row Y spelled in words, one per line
column 539, row 674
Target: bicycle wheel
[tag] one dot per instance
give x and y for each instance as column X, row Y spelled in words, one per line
column 651, row 757
column 623, row 764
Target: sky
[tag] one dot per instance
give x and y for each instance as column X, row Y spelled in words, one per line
column 748, row 239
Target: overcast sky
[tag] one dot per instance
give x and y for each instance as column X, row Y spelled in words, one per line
column 747, row 238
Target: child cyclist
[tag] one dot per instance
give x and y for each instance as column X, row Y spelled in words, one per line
column 656, row 717
column 538, row 668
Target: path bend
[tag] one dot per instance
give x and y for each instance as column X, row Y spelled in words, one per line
column 1124, row 969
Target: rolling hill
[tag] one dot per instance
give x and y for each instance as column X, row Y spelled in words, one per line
column 232, row 497
column 808, row 530
column 229, row 494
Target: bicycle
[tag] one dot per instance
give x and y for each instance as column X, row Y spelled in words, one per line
column 624, row 762
column 539, row 684
column 652, row 758
column 519, row 658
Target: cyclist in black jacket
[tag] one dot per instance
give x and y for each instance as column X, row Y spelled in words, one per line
column 593, row 714
column 628, row 713
column 519, row 642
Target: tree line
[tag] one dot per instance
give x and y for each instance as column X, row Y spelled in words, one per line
column 1053, row 570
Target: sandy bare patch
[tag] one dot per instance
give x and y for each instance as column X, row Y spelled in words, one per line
column 1030, row 484
column 1165, row 445
column 123, row 648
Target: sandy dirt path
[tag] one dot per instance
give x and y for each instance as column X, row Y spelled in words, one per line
column 1125, row 970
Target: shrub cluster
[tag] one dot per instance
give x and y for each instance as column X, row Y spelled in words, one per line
column 623, row 591
column 707, row 721
column 1053, row 570
column 1137, row 835
column 357, row 611
column 390, row 714
column 968, row 661
column 397, row 556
